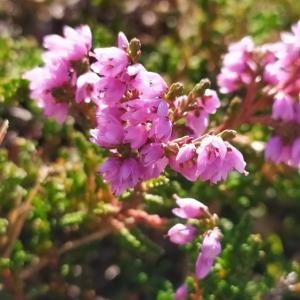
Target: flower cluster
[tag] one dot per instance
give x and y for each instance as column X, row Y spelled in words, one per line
column 270, row 75
column 66, row 58
column 197, row 118
column 137, row 125
column 144, row 123
column 189, row 208
column 285, row 67
column 132, row 116
column 239, row 66
column 210, row 159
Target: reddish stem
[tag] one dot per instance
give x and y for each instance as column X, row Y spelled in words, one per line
column 249, row 107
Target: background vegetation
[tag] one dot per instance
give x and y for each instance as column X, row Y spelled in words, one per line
column 50, row 194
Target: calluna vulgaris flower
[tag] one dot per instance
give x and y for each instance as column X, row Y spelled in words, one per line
column 189, row 208
column 147, row 125
column 276, row 68
column 135, row 118
column 197, row 119
column 210, row 249
column 66, row 58
column 181, row 234
column 181, row 292
column 284, row 145
column 238, row 66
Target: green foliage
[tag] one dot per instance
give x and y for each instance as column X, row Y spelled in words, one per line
column 53, row 206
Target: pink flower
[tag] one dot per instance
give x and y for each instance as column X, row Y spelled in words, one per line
column 181, row 234
column 238, row 52
column 122, row 41
column 111, row 61
column 233, row 161
column 197, row 120
column 278, row 152
column 130, row 175
column 273, row 149
column 283, row 108
column 151, row 153
column 181, row 293
column 85, row 86
column 140, row 110
column 285, row 66
column 153, row 112
column 270, row 62
column 217, row 158
column 211, row 155
column 136, row 135
column 43, row 80
column 52, row 87
column 295, row 154
column 271, row 71
column 102, row 90
column 189, row 208
column 238, row 66
column 59, row 111
column 209, row 102
column 75, row 44
column 297, row 112
column 110, row 131
column 148, row 84
column 121, row 173
column 185, row 161
column 108, row 90
column 162, row 109
column 110, row 169
column 153, row 160
column 210, row 249
column 161, row 129
column 185, row 153
column 132, row 71
column 228, row 81
column 154, row 170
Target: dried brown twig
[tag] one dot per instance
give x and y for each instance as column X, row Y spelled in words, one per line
column 42, row 262
column 3, row 130
column 18, row 216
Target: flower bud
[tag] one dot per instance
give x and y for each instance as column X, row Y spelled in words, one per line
column 199, row 89
column 181, row 234
column 134, row 49
column 175, row 90
column 189, row 208
column 211, row 248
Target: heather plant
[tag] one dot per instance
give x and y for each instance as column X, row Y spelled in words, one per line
column 118, row 183
column 269, row 74
column 136, row 113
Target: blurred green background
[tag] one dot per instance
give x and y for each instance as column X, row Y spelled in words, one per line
column 50, row 194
